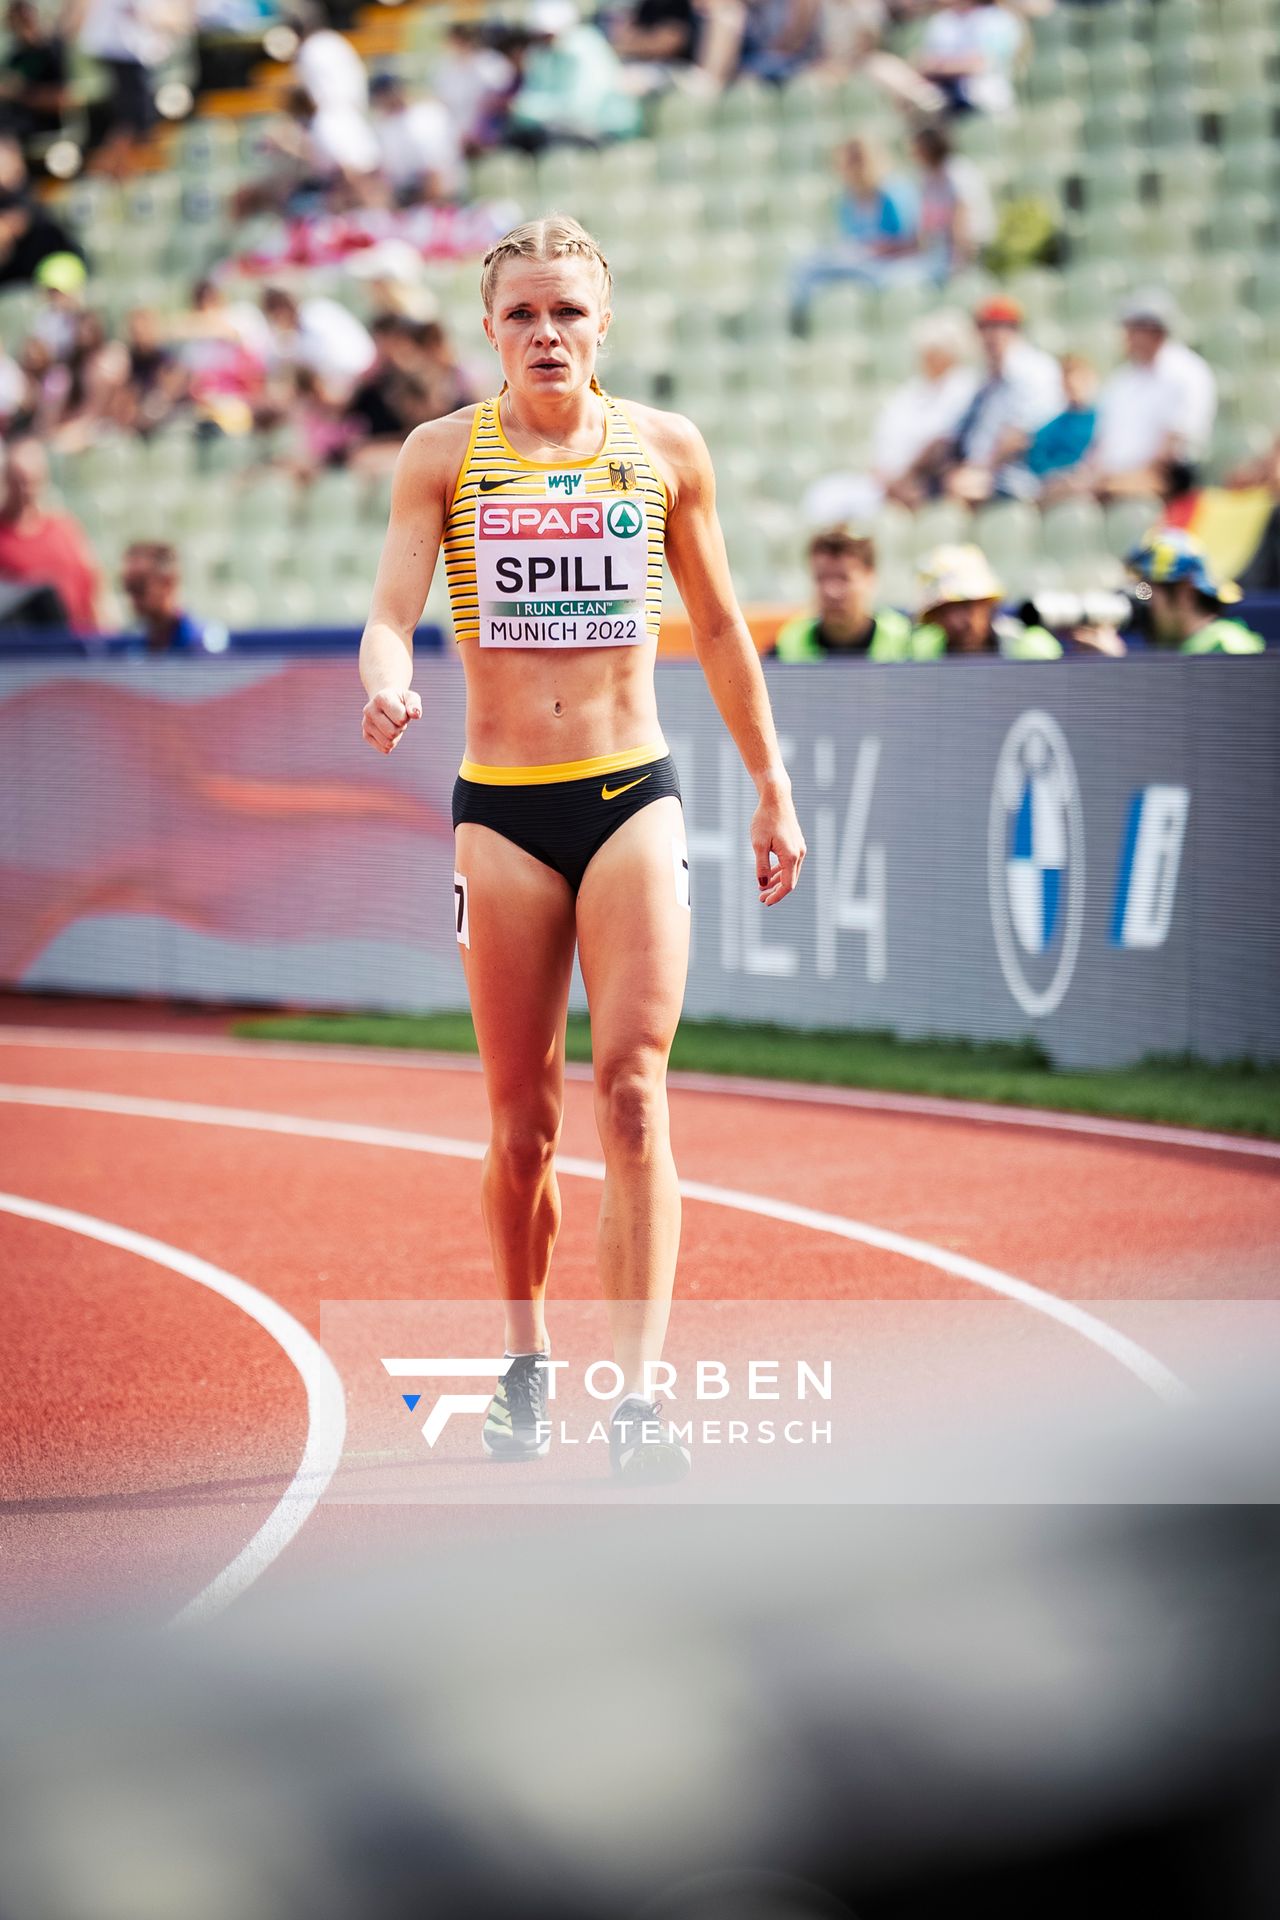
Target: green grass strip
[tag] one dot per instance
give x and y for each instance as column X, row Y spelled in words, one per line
column 1237, row 1097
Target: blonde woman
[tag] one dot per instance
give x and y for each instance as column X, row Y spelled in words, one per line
column 555, row 504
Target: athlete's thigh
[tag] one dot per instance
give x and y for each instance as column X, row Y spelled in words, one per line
column 517, row 953
column 633, row 934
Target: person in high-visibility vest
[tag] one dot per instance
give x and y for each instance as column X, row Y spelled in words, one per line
column 960, row 612
column 847, row 624
column 1185, row 601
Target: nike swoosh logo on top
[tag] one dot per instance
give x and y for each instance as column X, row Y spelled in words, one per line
column 491, row 486
column 611, row 793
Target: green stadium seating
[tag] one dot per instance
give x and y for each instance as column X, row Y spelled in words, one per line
column 1151, row 123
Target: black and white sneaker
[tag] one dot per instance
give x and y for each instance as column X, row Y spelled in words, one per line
column 642, row 1447
column 516, row 1426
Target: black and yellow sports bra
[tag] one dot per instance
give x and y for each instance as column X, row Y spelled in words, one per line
column 556, row 556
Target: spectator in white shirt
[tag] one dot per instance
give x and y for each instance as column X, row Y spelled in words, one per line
column 1020, row 389
column 321, row 336
column 420, row 151
column 1156, row 411
column 328, row 66
column 473, row 81
column 913, row 432
column 919, row 419
column 328, row 152
column 968, row 53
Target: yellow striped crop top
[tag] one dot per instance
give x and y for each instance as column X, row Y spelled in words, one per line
column 543, row 557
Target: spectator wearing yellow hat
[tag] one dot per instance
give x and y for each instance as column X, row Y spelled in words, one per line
column 960, row 613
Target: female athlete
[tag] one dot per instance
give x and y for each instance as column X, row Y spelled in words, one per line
column 554, row 504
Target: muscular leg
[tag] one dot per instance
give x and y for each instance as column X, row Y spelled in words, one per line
column 518, row 968
column 633, row 943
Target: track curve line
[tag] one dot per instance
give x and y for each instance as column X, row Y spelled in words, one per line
column 684, row 1080
column 1126, row 1352
column 326, row 1397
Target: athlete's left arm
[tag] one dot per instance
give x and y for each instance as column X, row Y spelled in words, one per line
column 726, row 651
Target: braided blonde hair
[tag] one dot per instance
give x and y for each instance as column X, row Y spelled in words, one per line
column 558, row 236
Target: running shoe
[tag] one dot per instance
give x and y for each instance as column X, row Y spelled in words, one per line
column 516, row 1425
column 642, row 1447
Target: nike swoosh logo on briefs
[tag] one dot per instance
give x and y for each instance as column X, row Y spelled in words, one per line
column 491, row 486
column 611, row 793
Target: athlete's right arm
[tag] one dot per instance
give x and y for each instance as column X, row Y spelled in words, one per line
column 409, row 552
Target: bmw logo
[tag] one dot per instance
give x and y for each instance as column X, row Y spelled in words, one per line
column 1035, row 863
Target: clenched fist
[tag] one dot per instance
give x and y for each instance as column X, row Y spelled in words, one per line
column 387, row 714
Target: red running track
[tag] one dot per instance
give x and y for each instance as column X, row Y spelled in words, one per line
column 149, row 1427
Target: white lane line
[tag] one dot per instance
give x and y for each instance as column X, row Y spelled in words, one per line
column 804, row 1093
column 1152, row 1372
column 326, row 1399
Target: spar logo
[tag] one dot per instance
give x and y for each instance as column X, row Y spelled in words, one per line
column 1035, row 863
column 541, row 520
column 625, row 520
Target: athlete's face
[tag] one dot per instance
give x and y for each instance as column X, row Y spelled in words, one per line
column 547, row 324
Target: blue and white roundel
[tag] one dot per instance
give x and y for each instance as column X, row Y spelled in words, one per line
column 1035, row 863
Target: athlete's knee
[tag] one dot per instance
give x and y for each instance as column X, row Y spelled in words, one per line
column 523, row 1144
column 631, row 1103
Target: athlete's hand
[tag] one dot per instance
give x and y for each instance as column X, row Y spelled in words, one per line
column 776, row 838
column 387, row 715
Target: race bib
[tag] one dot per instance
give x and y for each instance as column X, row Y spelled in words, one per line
column 562, row 573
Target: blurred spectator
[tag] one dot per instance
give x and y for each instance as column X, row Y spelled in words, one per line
column 1155, row 412
column 876, row 216
column 377, row 410
column 13, row 389
column 851, row 31
column 151, row 579
column 1020, row 391
column 473, row 81
column 61, row 278
column 395, row 276
column 968, row 54
column 1058, row 447
column 656, row 34
column 957, row 217
column 919, row 420
column 29, row 237
column 320, row 335
column 780, row 37
column 132, row 40
column 572, row 86
column 327, row 65
column 330, row 155
column 223, row 347
column 847, row 624
column 13, row 165
column 88, row 393
column 1186, row 602
column 1262, row 573
column 34, row 88
column 418, row 145
column 43, row 547
column 157, row 384
column 768, row 39
column 959, row 612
